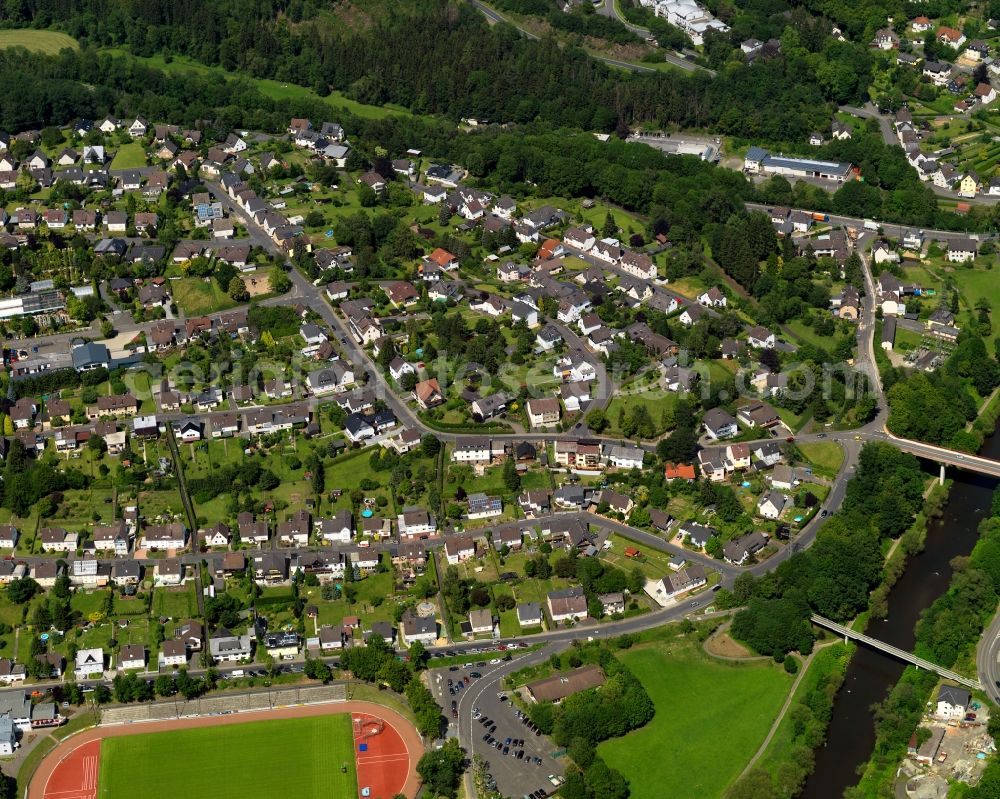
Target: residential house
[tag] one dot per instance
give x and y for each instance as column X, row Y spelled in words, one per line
column 415, row 628
column 697, row 534
column 294, row 531
column 56, row 539
column 111, row 538
column 783, row 478
column 89, row 664
column 529, row 614
column 458, row 549
column 8, row 536
column 624, row 456
column 336, row 530
column 481, row 506
column 125, row 573
column 225, row 647
column 270, row 568
column 428, row 393
column 132, row 656
column 741, row 549
column 543, row 412
column 962, row 250
column 760, row 338
column 951, row 37
column 164, row 537
column 758, row 414
column 952, row 702
column 685, row 579
column 416, row 523
column 719, row 424
column 169, row 571
column 481, row 621
column 568, row 604
column 713, row 298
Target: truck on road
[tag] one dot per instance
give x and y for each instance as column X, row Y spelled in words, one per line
column 870, row 225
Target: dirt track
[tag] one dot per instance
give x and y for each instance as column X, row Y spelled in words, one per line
column 40, row 779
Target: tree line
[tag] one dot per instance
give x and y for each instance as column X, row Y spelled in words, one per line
column 936, row 407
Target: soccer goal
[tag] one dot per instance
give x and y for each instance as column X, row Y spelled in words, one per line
column 367, row 727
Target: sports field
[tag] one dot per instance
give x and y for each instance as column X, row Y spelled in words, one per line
column 49, row 42
column 301, row 757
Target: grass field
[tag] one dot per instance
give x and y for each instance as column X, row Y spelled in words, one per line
column 976, row 284
column 710, row 718
column 48, row 42
column 274, row 89
column 231, row 759
column 825, row 455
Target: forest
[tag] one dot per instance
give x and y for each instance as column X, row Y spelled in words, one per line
column 465, row 68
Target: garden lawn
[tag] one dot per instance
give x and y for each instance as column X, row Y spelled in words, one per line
column 807, row 335
column 129, row 156
column 197, row 296
column 655, row 401
column 978, row 283
column 146, row 764
column 79, row 506
column 654, row 564
column 89, row 604
column 47, row 42
column 177, row 603
column 710, row 718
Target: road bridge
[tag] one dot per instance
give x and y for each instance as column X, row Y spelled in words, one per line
column 942, row 455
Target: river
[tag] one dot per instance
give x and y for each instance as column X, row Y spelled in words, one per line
column 871, row 675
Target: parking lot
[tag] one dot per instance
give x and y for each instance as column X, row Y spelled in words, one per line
column 519, row 758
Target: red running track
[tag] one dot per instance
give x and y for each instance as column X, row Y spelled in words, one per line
column 75, row 774
column 384, row 768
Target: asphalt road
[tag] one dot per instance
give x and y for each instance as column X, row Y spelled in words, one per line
column 888, row 228
column 868, row 111
column 988, row 659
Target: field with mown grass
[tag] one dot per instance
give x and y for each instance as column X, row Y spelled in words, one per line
column 711, row 716
column 306, row 757
column 48, row 42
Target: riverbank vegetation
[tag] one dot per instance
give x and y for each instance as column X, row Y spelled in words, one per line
column 947, row 633
column 910, row 543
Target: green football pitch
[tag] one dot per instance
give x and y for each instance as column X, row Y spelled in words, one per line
column 301, row 758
